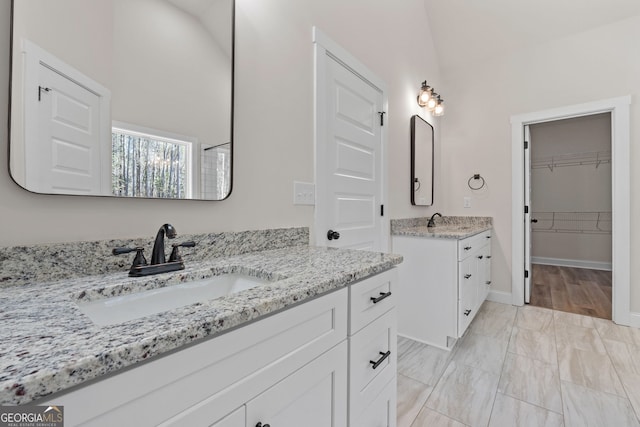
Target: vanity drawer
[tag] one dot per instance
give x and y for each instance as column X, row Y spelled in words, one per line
column 377, row 343
column 381, row 412
column 370, row 298
column 471, row 244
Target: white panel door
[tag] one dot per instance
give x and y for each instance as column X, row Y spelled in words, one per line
column 65, row 155
column 353, row 153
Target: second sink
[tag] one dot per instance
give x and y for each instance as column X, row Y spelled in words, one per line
column 111, row 311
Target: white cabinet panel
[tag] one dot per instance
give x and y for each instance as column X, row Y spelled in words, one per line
column 382, row 411
column 314, row 396
column 235, row 419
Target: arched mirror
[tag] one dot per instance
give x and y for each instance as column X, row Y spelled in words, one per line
column 126, row 98
column 421, row 162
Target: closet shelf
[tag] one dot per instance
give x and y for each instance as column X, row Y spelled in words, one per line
column 572, row 159
column 572, row 222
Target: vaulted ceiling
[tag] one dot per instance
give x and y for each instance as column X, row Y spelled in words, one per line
column 465, row 31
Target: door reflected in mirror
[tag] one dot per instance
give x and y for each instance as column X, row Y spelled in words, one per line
column 421, row 162
column 127, row 98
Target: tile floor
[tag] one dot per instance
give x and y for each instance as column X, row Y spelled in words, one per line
column 527, row 366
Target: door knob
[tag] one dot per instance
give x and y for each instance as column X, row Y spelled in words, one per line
column 333, row 235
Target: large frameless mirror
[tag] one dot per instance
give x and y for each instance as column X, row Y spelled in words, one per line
column 421, row 162
column 127, row 98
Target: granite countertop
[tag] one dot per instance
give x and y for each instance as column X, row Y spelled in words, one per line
column 49, row 345
column 445, row 228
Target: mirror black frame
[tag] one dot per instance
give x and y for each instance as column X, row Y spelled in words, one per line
column 231, row 127
column 415, row 122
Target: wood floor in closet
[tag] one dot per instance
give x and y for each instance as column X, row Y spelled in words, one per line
column 573, row 290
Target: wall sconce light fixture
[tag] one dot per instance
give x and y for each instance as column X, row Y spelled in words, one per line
column 425, row 95
column 428, row 98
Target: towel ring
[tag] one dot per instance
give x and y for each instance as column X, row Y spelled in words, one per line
column 476, row 177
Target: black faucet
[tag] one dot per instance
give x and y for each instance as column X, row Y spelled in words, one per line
column 158, row 255
column 159, row 262
column 432, row 222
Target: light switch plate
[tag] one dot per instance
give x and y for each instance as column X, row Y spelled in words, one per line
column 467, row 202
column 304, row 193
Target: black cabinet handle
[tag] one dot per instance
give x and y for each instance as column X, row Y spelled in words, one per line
column 333, row 235
column 379, row 361
column 382, row 296
column 488, row 282
column 533, row 220
column 488, row 256
column 467, row 312
column 467, row 276
column 262, row 425
column 480, row 257
column 466, row 248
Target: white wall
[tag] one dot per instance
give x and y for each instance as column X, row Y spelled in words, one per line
column 274, row 125
column 481, row 98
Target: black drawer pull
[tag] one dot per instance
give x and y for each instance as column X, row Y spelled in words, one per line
column 467, row 312
column 382, row 296
column 488, row 237
column 262, row 425
column 488, row 256
column 466, row 248
column 379, row 361
column 480, row 257
column 488, row 282
column 467, row 276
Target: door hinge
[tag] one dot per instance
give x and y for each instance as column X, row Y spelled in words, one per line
column 382, row 113
column 381, row 210
column 526, row 145
column 526, row 209
column 526, row 274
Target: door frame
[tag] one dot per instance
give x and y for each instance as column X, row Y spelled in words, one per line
column 324, row 47
column 620, row 197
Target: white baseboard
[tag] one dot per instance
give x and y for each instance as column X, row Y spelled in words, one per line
column 594, row 265
column 500, row 296
column 634, row 320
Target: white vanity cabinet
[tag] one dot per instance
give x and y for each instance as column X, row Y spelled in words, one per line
column 264, row 369
column 309, row 365
column 442, row 284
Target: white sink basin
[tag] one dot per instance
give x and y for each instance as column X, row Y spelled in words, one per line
column 111, row 311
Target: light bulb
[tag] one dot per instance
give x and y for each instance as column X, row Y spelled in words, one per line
column 425, row 94
column 432, row 102
column 439, row 108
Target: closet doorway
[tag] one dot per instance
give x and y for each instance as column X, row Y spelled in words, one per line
column 571, row 215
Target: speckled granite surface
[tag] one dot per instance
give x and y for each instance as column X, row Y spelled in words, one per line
column 40, row 263
column 48, row 345
column 447, row 227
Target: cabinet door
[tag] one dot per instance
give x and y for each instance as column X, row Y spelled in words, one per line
column 235, row 419
column 313, row 396
column 468, row 292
